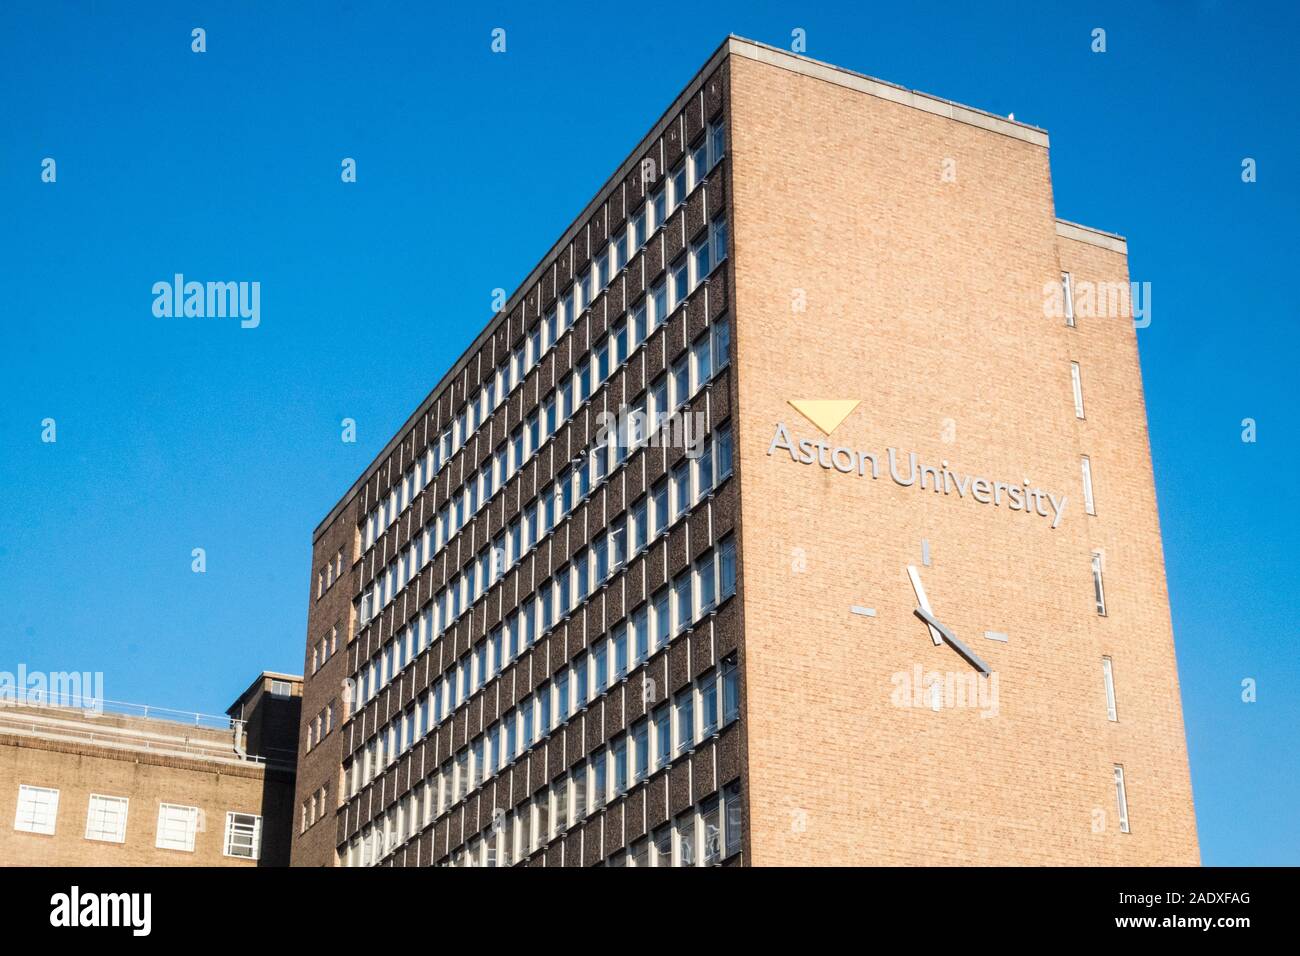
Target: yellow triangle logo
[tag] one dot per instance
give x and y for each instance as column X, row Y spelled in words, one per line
column 825, row 414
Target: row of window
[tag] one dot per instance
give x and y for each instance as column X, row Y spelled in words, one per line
column 694, row 593
column 644, row 417
column 651, row 743
column 322, row 724
column 703, row 256
column 327, row 575
column 315, row 808
column 38, row 809
column 325, row 648
column 690, row 480
column 1099, row 593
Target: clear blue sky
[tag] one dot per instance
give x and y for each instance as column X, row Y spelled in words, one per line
column 181, row 434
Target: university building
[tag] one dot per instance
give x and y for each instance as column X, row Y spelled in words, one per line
column 796, row 509
column 89, row 782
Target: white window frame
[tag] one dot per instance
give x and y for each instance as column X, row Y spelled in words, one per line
column 97, row 834
column 1121, row 798
column 1089, row 503
column 191, row 827
column 42, row 809
column 1108, row 678
column 1099, row 587
column 1076, row 383
column 255, row 836
column 1067, row 298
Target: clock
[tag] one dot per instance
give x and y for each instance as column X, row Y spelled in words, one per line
column 940, row 633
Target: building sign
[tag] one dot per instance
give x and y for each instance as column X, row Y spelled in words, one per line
column 909, row 472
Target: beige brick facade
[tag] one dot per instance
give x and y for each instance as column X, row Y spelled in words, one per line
column 922, row 243
column 78, row 769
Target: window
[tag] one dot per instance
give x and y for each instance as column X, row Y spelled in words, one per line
column 1096, row 583
column 727, row 568
column 176, row 827
column 730, row 690
column 707, row 251
column 711, row 821
column 662, row 720
column 731, row 803
column 1108, row 676
column 699, row 159
column 686, row 840
column 106, row 819
column 1121, row 799
column 281, row 688
column 662, row 841
column 658, row 206
column 678, row 276
column 721, row 332
column 677, row 185
column 722, row 453
column 684, row 708
column 636, row 231
column 1077, row 384
column 1089, row 505
column 37, row 809
column 243, row 835
column 1067, row 296
column 709, row 705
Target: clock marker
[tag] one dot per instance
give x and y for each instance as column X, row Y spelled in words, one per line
column 996, row 636
column 864, row 611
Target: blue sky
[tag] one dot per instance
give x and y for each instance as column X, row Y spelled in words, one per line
column 174, row 435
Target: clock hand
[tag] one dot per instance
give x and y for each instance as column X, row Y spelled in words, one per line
column 951, row 638
column 922, row 600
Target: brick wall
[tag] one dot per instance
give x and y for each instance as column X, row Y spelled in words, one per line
column 924, row 299
column 77, row 770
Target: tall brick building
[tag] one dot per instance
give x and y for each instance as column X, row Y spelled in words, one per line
column 882, row 581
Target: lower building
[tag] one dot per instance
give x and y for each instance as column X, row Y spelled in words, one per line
column 96, row 783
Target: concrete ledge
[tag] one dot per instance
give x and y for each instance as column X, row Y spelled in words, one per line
column 816, row 69
column 1094, row 237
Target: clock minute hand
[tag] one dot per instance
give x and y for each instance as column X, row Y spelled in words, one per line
column 951, row 638
column 922, row 600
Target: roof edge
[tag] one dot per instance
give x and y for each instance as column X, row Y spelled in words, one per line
column 1096, row 237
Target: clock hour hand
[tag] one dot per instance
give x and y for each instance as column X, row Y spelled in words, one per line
column 951, row 638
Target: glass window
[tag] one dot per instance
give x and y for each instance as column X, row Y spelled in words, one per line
column 730, row 690
column 709, row 705
column 686, row 839
column 38, row 808
column 662, row 840
column 1098, row 590
column 1108, row 678
column 711, row 838
column 677, row 278
column 1121, row 799
column 243, row 835
column 684, row 707
column 677, row 185
column 732, row 824
column 640, row 749
column 662, row 720
column 727, row 568
column 176, row 827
